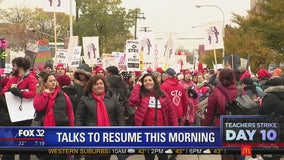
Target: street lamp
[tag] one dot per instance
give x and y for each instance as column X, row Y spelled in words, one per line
column 223, row 25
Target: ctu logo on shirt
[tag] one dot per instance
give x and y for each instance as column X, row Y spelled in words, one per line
column 176, row 94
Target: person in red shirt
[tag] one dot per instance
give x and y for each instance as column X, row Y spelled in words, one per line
column 154, row 106
column 21, row 84
column 178, row 96
column 190, row 88
column 176, row 92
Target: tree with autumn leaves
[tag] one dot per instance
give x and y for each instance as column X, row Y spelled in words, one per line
column 260, row 34
column 105, row 18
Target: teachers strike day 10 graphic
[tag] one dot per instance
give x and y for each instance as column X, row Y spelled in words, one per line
column 237, row 135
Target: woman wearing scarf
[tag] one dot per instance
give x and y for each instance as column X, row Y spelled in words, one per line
column 152, row 111
column 53, row 107
column 98, row 107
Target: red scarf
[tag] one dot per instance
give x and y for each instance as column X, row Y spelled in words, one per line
column 102, row 114
column 49, row 116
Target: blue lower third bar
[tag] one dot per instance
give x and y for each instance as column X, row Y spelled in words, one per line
column 111, row 137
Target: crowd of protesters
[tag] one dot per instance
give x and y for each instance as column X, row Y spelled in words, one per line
column 94, row 96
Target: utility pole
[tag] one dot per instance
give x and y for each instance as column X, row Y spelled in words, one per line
column 70, row 19
column 139, row 15
column 145, row 29
column 55, row 35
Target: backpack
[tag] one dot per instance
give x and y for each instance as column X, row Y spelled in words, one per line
column 122, row 96
column 242, row 104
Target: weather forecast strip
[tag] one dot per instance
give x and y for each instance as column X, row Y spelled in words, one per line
column 142, row 151
column 110, row 137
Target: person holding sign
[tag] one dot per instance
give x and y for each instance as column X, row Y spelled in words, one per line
column 21, row 84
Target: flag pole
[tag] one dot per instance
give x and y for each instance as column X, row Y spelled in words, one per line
column 71, row 19
column 214, row 51
column 55, row 34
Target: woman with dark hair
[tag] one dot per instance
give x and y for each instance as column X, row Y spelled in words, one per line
column 98, row 107
column 154, row 106
column 224, row 91
column 51, row 100
column 53, row 108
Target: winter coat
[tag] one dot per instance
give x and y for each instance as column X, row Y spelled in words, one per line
column 142, row 103
column 71, row 91
column 83, row 71
column 28, row 85
column 63, row 114
column 122, row 92
column 273, row 101
column 217, row 102
column 177, row 95
column 78, row 84
column 86, row 113
column 190, row 88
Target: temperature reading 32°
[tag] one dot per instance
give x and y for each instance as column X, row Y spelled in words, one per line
column 22, row 143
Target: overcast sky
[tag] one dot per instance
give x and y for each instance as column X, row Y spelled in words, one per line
column 176, row 16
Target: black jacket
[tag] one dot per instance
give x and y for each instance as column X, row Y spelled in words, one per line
column 86, row 113
column 72, row 93
column 122, row 92
column 273, row 101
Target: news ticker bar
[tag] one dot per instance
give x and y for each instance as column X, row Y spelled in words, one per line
column 110, row 137
column 101, row 151
column 235, row 131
